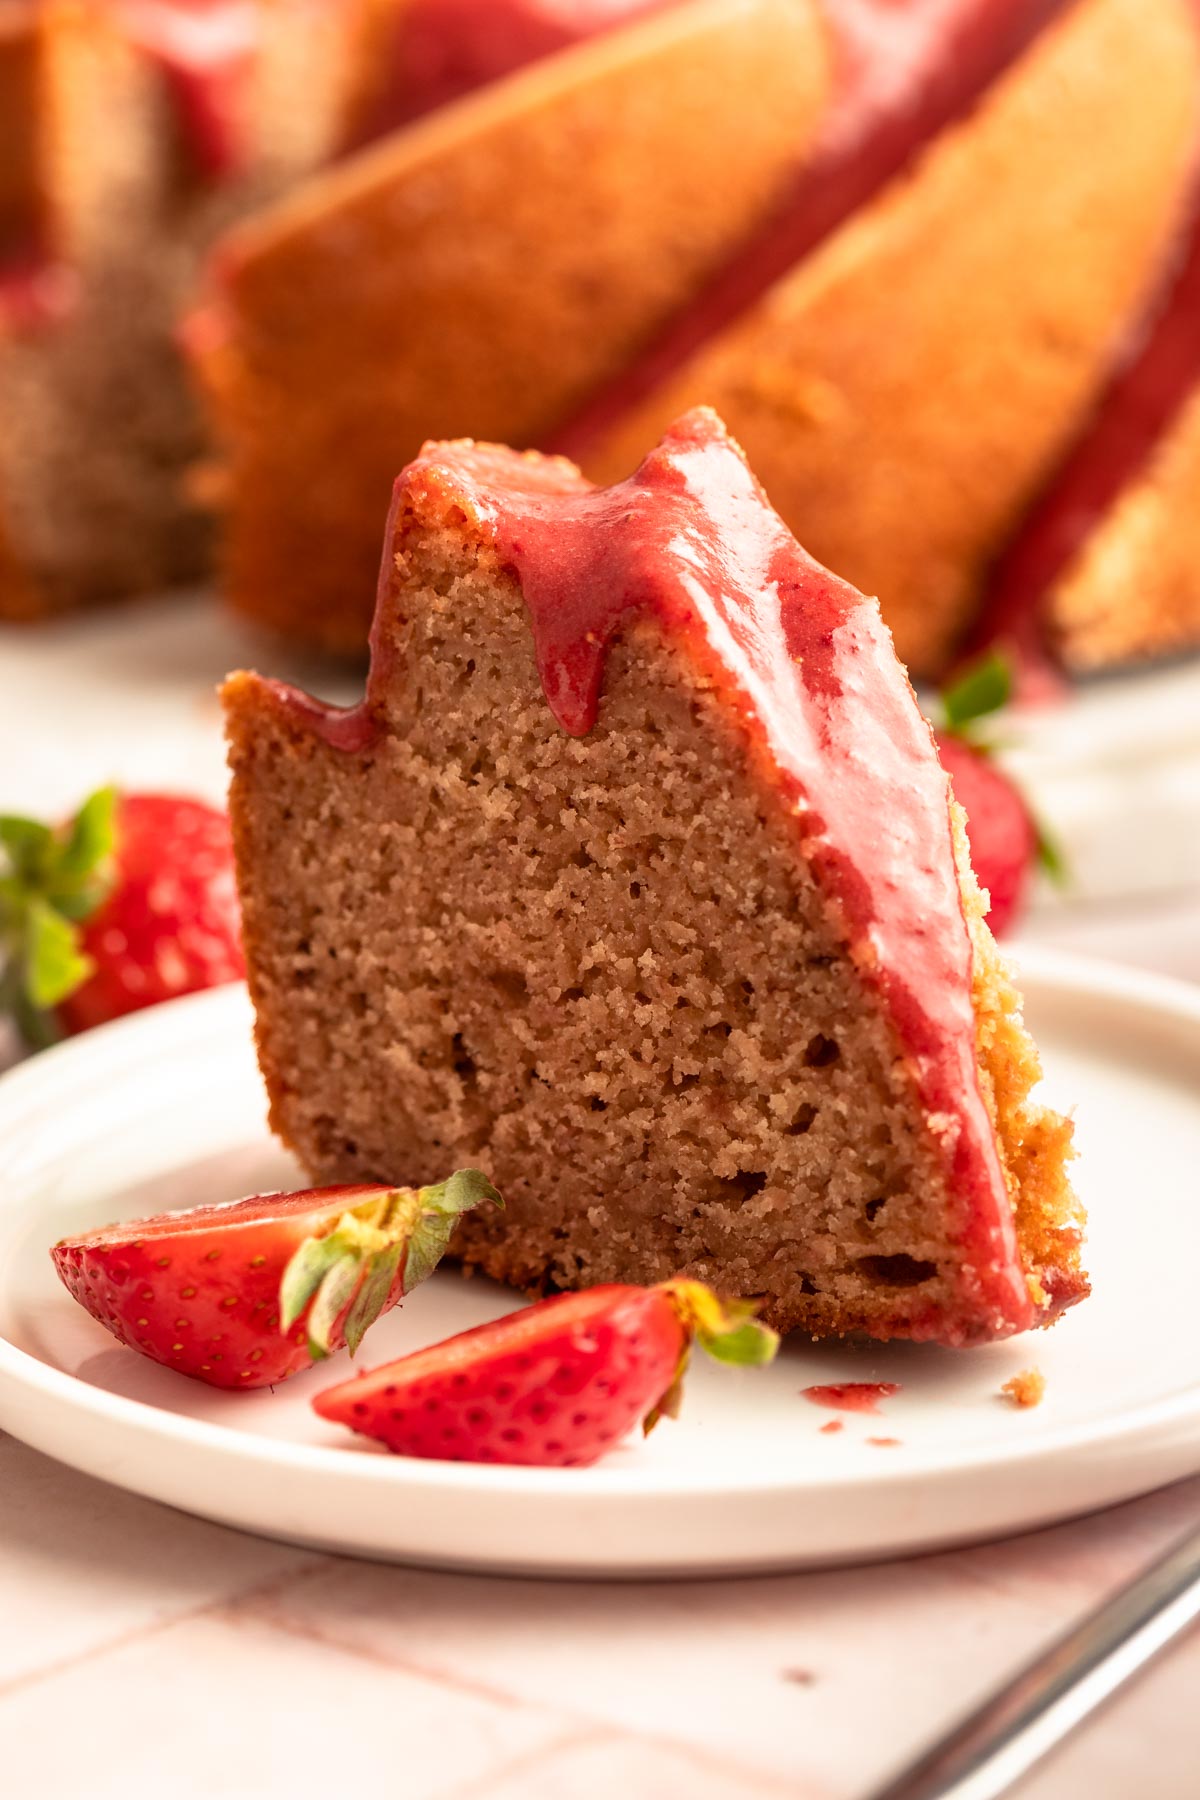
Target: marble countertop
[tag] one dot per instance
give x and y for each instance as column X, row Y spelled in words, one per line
column 146, row 1653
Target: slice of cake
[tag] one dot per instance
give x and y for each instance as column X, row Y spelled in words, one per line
column 636, row 872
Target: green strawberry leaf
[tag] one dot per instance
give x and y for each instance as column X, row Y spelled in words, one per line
column 346, row 1275
column 50, row 881
column 1050, row 858
column 27, row 845
column 440, row 1210
column 91, row 837
column 54, row 964
column 726, row 1330
column 371, row 1298
column 330, row 1303
column 982, row 689
column 304, row 1275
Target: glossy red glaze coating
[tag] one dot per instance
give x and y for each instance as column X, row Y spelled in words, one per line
column 906, row 70
column 205, row 51
column 851, row 1396
column 446, row 48
column 691, row 542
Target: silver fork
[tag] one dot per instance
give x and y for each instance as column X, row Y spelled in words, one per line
column 993, row 1746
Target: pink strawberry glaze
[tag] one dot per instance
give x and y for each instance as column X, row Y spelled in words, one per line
column 446, row 48
column 905, row 70
column 691, row 541
column 851, row 1396
column 205, row 51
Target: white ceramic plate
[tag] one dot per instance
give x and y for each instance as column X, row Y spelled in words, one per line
column 165, row 1110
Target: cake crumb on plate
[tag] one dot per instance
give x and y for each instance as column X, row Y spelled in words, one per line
column 1025, row 1389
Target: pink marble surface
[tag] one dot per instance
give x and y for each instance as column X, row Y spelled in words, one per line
column 145, row 1653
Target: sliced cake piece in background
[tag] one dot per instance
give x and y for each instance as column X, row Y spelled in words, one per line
column 908, row 389
column 637, row 872
column 482, row 272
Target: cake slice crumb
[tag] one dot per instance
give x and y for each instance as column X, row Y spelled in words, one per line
column 1025, row 1389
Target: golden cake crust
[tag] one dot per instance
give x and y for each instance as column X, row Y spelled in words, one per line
column 1133, row 591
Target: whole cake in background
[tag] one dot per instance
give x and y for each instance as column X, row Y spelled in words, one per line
column 936, row 264
column 636, row 873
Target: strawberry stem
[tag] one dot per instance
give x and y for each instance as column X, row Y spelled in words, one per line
column 726, row 1330
column 50, row 880
column 983, row 688
column 347, row 1273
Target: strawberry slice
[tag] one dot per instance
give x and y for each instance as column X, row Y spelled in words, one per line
column 1005, row 838
column 243, row 1295
column 131, row 902
column 557, row 1384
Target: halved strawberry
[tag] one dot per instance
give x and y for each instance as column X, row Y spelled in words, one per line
column 243, row 1295
column 559, row 1383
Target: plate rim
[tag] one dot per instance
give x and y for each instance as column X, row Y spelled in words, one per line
column 24, row 1374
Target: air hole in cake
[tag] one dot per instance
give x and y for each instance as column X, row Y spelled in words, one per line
column 572, row 993
column 821, row 1051
column 737, row 1189
column 803, row 1121
column 897, row 1271
column 598, row 1105
column 465, row 1066
column 635, row 890
column 511, row 985
column 682, row 1082
column 874, row 1207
